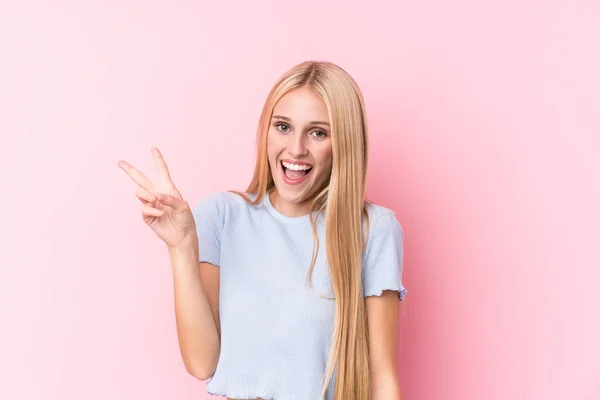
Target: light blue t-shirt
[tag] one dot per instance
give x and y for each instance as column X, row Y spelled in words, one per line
column 275, row 332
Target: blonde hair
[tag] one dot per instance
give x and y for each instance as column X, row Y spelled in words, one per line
column 342, row 199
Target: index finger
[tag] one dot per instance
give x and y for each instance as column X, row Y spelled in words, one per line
column 136, row 175
column 161, row 165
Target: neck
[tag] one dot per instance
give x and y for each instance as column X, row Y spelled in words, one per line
column 287, row 208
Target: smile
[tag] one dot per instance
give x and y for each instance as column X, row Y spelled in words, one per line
column 295, row 173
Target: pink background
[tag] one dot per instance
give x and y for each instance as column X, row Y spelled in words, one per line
column 485, row 140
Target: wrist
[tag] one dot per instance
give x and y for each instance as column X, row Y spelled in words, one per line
column 185, row 246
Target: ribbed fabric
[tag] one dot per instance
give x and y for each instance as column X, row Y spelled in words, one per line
column 275, row 332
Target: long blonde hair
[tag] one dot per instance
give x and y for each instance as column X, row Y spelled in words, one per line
column 342, row 199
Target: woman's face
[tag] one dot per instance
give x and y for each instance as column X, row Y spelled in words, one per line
column 299, row 149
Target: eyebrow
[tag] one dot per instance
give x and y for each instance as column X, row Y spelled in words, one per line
column 311, row 122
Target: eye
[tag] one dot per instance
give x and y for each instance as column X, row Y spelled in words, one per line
column 319, row 134
column 282, row 127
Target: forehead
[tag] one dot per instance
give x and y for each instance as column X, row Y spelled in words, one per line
column 302, row 105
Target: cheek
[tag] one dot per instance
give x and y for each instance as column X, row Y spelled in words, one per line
column 271, row 146
column 274, row 142
column 326, row 159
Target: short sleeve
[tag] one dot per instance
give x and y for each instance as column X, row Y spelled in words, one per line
column 383, row 257
column 208, row 216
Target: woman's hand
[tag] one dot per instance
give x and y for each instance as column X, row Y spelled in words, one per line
column 163, row 208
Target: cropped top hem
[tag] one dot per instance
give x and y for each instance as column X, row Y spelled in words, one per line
column 227, row 394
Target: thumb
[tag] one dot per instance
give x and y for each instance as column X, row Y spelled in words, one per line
column 173, row 202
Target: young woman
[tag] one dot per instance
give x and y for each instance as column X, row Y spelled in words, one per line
column 289, row 290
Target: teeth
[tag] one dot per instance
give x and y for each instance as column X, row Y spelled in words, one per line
column 296, row 167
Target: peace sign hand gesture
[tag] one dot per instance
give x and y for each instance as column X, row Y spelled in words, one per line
column 163, row 208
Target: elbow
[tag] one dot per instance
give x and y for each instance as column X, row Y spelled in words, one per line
column 202, row 376
column 201, row 364
column 198, row 372
column 199, row 368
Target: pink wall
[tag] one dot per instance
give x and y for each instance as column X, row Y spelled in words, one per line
column 485, row 140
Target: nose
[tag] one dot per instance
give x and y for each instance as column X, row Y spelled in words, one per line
column 297, row 145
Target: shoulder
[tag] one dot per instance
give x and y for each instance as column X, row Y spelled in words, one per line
column 220, row 198
column 220, row 202
column 383, row 220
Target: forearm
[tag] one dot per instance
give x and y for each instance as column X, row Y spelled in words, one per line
column 197, row 333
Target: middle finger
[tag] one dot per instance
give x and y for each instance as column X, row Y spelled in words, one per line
column 144, row 195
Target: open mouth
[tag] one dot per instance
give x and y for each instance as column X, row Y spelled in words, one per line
column 295, row 173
